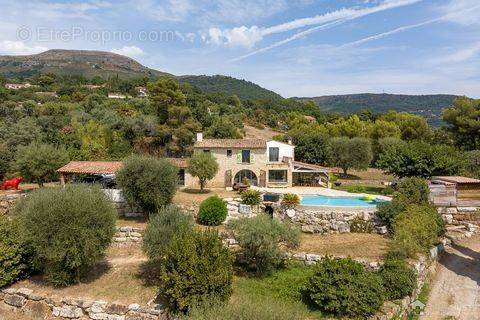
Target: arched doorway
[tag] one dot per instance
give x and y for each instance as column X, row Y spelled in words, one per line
column 248, row 174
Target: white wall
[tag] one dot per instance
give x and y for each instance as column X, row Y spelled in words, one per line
column 285, row 149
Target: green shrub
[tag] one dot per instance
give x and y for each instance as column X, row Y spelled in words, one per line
column 263, row 240
column 388, row 190
column 290, row 199
column 356, row 189
column 251, row 197
column 197, row 269
column 38, row 162
column 399, row 280
column 148, row 183
column 343, row 288
column 169, row 221
column 213, row 211
column 358, row 225
column 15, row 255
column 413, row 190
column 388, row 211
column 416, row 230
column 68, row 229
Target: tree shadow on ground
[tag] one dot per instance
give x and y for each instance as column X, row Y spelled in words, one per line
column 90, row 276
column 467, row 267
column 149, row 274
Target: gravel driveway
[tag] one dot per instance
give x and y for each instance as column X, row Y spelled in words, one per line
column 455, row 290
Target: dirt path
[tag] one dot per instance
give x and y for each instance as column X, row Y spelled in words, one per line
column 455, row 290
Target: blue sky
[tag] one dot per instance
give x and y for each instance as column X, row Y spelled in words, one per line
column 294, row 47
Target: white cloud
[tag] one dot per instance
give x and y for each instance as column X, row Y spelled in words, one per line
column 19, row 48
column 460, row 55
column 249, row 36
column 465, row 12
column 129, row 51
column 240, row 36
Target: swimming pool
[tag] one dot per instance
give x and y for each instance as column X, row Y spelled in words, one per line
column 326, row 201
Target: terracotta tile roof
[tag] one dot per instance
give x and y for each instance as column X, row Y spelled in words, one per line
column 91, row 167
column 232, row 143
column 456, row 179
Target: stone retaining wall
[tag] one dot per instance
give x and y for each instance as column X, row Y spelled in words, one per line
column 8, row 200
column 26, row 301
column 313, row 220
column 127, row 236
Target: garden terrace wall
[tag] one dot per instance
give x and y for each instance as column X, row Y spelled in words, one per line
column 8, row 200
column 26, row 301
column 327, row 220
column 127, row 236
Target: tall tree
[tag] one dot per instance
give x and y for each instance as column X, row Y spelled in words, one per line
column 464, row 120
column 203, row 166
column 353, row 153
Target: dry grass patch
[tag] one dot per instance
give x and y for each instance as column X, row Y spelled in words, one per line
column 369, row 176
column 188, row 197
column 137, row 222
column 118, row 278
column 356, row 245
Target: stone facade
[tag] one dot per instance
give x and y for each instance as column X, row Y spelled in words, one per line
column 238, row 210
column 26, row 301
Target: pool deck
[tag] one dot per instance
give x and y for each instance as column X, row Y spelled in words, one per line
column 318, row 191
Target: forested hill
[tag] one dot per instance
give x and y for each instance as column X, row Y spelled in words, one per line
column 75, row 62
column 429, row 106
column 229, row 86
column 106, row 64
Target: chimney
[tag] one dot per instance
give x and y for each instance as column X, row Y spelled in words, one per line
column 199, row 136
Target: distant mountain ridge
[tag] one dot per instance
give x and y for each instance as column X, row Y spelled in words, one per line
column 429, row 106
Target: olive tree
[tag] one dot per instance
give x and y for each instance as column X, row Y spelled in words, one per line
column 203, row 166
column 68, row 229
column 38, row 162
column 353, row 153
column 148, row 183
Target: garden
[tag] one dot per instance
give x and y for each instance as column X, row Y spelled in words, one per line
column 58, row 244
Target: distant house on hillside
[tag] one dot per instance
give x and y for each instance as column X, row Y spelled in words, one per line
column 142, row 92
column 117, row 96
column 18, row 86
column 92, row 86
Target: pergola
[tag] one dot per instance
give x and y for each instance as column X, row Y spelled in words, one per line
column 305, row 174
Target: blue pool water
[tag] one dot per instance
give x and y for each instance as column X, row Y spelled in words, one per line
column 317, row 200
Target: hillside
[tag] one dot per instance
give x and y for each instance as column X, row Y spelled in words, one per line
column 229, row 86
column 74, row 62
column 429, row 106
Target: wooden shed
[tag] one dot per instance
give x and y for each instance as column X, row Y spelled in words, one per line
column 455, row 191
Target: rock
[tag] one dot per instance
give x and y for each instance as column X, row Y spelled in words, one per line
column 468, row 234
column 142, row 316
column 244, row 209
column 135, row 234
column 134, row 307
column 98, row 306
column 24, row 292
column 116, row 308
column 73, row 302
column 451, row 210
column 232, row 208
column 38, row 309
column 9, row 291
column 35, row 297
column 98, row 316
column 448, row 218
column 313, row 257
column 299, row 256
column 290, row 213
column 70, row 312
column 382, row 230
column 120, row 239
column 467, row 209
column 471, row 227
column 115, row 317
column 126, row 229
column 15, row 300
column 308, row 229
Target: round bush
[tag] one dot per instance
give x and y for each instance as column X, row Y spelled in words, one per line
column 68, row 229
column 343, row 288
column 161, row 228
column 147, row 182
column 399, row 280
column 15, row 256
column 250, row 197
column 264, row 240
column 213, row 211
column 197, row 269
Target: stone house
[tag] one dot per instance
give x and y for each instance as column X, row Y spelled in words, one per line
column 264, row 163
